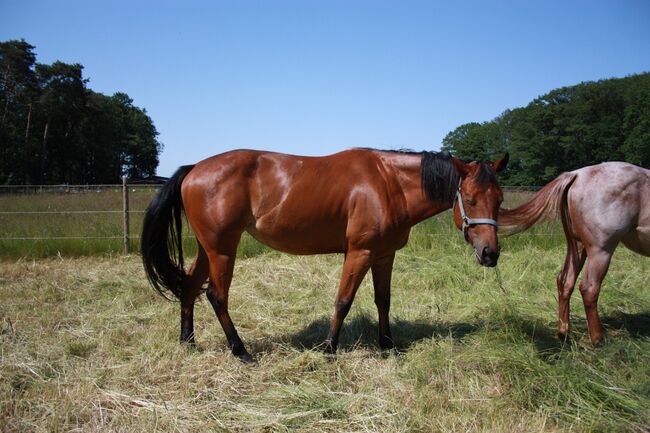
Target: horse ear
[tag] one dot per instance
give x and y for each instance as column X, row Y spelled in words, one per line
column 501, row 164
column 461, row 167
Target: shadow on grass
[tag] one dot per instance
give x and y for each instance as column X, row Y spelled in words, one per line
column 362, row 331
column 548, row 345
column 637, row 325
column 545, row 338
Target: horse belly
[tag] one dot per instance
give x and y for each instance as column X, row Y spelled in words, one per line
column 320, row 239
column 638, row 240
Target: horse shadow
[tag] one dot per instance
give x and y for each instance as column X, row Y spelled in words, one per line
column 548, row 344
column 361, row 332
column 637, row 325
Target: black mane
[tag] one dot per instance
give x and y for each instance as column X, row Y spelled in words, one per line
column 439, row 176
column 440, row 179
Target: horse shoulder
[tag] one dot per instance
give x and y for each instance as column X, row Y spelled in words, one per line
column 377, row 209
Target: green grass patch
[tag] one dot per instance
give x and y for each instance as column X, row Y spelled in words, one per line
column 87, row 345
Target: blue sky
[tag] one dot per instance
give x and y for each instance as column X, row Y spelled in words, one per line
column 316, row 77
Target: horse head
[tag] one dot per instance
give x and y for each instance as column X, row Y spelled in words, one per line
column 476, row 206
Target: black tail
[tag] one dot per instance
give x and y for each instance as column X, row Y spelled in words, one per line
column 161, row 243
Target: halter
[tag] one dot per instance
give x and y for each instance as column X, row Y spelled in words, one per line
column 467, row 221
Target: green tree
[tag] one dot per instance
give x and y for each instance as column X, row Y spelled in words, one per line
column 61, row 107
column 565, row 129
column 53, row 129
column 18, row 88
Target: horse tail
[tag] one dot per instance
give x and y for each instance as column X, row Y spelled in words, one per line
column 161, row 242
column 546, row 203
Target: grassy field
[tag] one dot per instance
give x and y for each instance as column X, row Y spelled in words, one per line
column 87, row 345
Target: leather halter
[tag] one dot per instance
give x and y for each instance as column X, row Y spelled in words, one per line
column 467, row 221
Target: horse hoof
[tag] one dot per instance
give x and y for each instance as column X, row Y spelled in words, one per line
column 328, row 348
column 598, row 342
column 187, row 336
column 246, row 358
column 386, row 343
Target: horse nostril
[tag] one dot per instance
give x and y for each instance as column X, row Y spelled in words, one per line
column 489, row 255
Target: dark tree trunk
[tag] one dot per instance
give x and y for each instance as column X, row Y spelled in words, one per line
column 44, row 152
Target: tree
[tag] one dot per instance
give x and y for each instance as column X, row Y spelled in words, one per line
column 53, row 129
column 61, row 104
column 17, row 90
column 565, row 129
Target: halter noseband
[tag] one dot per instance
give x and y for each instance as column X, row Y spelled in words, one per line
column 467, row 221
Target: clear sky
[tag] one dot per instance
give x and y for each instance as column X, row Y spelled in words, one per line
column 314, row 77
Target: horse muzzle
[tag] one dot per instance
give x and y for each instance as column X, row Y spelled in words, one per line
column 487, row 256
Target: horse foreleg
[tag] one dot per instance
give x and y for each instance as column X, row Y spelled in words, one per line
column 355, row 267
column 597, row 266
column 197, row 275
column 381, row 276
column 566, row 281
column 222, row 264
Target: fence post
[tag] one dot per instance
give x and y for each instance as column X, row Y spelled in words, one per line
column 125, row 206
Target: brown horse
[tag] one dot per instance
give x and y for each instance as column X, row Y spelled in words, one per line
column 360, row 202
column 600, row 206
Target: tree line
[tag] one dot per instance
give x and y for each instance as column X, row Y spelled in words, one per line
column 54, row 129
column 565, row 129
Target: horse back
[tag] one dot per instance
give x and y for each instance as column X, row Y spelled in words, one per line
column 296, row 204
column 608, row 203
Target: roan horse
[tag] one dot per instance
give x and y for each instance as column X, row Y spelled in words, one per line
column 600, row 206
column 360, row 202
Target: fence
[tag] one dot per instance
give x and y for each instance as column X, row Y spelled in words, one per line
column 39, row 191
column 31, row 201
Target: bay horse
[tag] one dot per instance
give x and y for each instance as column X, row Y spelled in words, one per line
column 360, row 202
column 600, row 206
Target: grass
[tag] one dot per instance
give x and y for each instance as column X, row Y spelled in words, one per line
column 87, row 345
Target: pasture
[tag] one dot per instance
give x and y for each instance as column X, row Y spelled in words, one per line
column 87, row 345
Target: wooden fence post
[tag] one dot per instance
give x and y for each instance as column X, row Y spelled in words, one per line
column 125, row 206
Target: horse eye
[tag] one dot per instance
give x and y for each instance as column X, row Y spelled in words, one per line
column 471, row 201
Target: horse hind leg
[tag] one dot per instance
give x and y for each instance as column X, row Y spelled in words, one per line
column 222, row 263
column 597, row 267
column 196, row 276
column 381, row 276
column 566, row 280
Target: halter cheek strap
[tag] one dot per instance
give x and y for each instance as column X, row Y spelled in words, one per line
column 467, row 221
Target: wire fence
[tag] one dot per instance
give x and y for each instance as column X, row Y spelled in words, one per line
column 21, row 204
column 33, row 203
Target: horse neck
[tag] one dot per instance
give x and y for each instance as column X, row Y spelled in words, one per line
column 408, row 169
